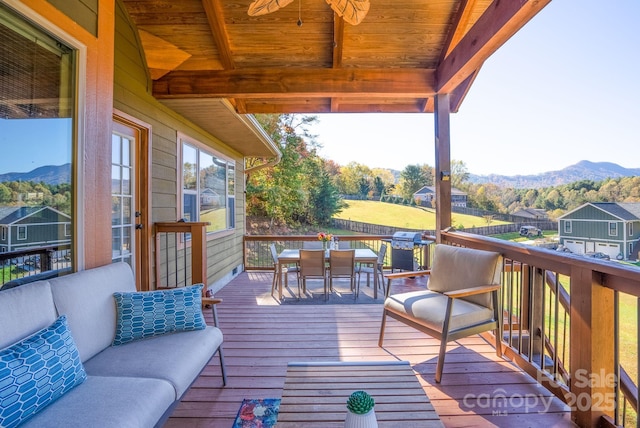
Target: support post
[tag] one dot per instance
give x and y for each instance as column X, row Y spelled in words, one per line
column 592, row 383
column 443, row 164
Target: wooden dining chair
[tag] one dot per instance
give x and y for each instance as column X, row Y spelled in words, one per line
column 461, row 299
column 312, row 266
column 342, row 264
column 375, row 270
column 279, row 271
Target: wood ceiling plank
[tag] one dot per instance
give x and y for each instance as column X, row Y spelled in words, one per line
column 291, row 83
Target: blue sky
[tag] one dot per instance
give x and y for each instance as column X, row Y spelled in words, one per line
column 47, row 145
column 564, row 88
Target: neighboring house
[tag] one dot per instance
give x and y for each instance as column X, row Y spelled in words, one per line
column 532, row 213
column 612, row 228
column 427, row 195
column 24, row 227
column 210, row 198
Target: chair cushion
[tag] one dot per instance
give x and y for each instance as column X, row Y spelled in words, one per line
column 86, row 298
column 455, row 268
column 153, row 313
column 107, row 402
column 37, row 371
column 428, row 309
column 18, row 318
column 176, row 358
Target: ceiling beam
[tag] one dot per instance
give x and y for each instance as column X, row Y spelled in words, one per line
column 501, row 20
column 296, row 83
column 338, row 40
column 215, row 16
column 460, row 23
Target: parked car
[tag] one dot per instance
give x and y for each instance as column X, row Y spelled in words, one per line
column 530, row 231
column 598, row 255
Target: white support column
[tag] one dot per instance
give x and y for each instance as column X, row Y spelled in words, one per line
column 443, row 163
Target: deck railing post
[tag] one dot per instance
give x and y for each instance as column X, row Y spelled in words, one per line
column 592, row 382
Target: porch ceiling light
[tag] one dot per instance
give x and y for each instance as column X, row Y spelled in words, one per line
column 352, row 11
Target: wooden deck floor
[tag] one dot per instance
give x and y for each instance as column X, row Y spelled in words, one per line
column 261, row 337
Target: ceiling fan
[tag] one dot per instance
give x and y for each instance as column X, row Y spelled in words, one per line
column 352, row 11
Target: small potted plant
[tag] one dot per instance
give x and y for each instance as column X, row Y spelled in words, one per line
column 360, row 413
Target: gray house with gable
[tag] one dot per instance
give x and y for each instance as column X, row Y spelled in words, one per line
column 612, row 228
column 27, row 227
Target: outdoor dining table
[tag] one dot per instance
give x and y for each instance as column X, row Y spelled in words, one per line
column 363, row 255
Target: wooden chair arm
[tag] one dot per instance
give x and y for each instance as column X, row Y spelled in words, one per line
column 407, row 274
column 472, row 291
column 210, row 301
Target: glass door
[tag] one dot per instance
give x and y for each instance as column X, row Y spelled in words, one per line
column 123, row 212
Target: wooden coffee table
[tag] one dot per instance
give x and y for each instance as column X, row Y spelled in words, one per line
column 315, row 394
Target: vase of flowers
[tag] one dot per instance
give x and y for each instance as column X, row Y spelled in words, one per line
column 324, row 238
column 360, row 413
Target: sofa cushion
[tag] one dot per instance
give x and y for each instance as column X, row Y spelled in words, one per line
column 37, row 371
column 427, row 308
column 86, row 298
column 107, row 402
column 455, row 268
column 175, row 357
column 18, row 315
column 153, row 313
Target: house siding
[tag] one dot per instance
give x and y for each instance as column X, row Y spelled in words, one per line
column 83, row 12
column 131, row 96
column 590, row 231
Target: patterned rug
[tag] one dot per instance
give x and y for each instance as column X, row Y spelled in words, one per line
column 257, row 413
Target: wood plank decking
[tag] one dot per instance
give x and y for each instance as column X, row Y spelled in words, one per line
column 262, row 336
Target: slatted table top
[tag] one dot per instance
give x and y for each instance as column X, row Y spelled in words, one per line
column 315, row 394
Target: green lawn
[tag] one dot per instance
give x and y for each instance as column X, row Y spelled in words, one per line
column 403, row 216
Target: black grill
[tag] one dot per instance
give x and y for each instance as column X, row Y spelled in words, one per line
column 403, row 246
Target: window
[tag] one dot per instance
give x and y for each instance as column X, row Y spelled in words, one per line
column 22, row 233
column 208, row 187
column 567, row 226
column 67, row 229
column 630, row 229
column 37, row 118
column 613, row 228
column 4, row 233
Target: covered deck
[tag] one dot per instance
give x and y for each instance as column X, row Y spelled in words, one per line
column 262, row 336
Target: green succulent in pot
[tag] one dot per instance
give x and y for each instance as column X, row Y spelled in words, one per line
column 360, row 403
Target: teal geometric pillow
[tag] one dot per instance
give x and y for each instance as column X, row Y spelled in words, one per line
column 153, row 313
column 37, row 371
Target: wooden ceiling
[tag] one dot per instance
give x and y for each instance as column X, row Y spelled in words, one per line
column 396, row 60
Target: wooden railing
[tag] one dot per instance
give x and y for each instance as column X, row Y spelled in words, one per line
column 562, row 325
column 180, row 254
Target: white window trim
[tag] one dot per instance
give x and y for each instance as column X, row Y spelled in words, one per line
column 20, row 228
column 630, row 229
column 615, row 224
column 568, row 226
column 185, row 139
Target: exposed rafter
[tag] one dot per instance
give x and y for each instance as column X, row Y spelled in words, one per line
column 500, row 21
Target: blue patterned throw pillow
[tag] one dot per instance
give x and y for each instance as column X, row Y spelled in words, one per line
column 37, row 371
column 153, row 313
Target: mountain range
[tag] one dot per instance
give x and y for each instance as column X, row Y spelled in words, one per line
column 583, row 170
column 49, row 174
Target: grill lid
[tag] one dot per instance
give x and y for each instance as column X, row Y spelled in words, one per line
column 414, row 237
